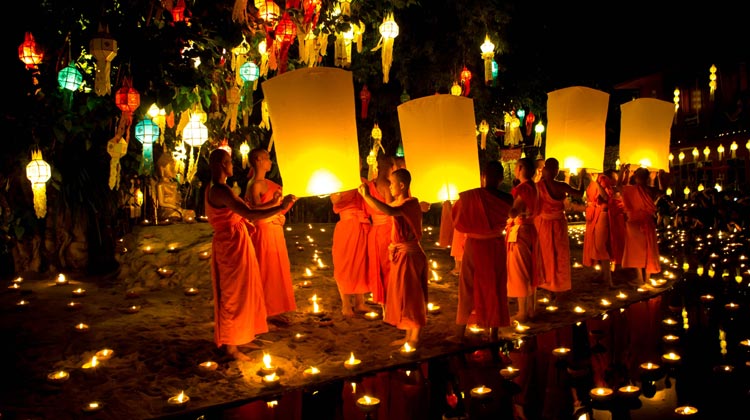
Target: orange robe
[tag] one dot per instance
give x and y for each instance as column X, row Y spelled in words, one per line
column 350, row 244
column 378, row 264
column 406, row 303
column 239, row 308
column 554, row 243
column 641, row 246
column 605, row 225
column 483, row 280
column 523, row 255
column 273, row 259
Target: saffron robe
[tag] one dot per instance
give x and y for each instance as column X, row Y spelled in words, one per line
column 349, row 247
column 378, row 240
column 554, row 243
column 604, row 236
column 641, row 245
column 239, row 307
column 273, row 258
column 406, row 302
column 483, row 280
column 524, row 260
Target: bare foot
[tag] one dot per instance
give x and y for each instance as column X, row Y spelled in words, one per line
column 251, row 346
column 348, row 314
column 237, row 355
column 398, row 342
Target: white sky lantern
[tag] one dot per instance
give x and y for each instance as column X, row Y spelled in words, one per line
column 645, row 129
column 576, row 118
column 39, row 172
column 440, row 146
column 313, row 116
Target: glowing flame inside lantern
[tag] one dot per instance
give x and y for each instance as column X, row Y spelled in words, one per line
column 572, row 163
column 323, row 182
column 267, row 360
column 448, row 192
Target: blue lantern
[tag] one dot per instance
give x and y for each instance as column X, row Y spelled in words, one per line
column 146, row 131
column 70, row 78
column 495, row 69
column 521, row 113
column 249, row 71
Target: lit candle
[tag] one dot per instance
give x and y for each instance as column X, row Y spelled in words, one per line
column 82, row 327
column 18, row 280
column 91, row 364
column 601, row 393
column 629, row 391
column 621, row 296
column 58, row 376
column 658, row 282
column 208, row 366
column 520, row 327
column 649, row 367
column 372, row 315
column 316, row 309
column 311, row 371
column 73, row 306
column 172, row 248
column 551, row 308
column 148, row 250
column 707, row 298
column 543, row 300
column 475, row 329
column 61, row 280
column 605, row 303
column 132, row 309
column 578, row 310
column 745, row 343
column 14, row 286
column 305, row 283
column 179, row 399
column 669, row 338
column 271, row 380
column 104, row 354
column 22, row 304
column 407, row 350
column 79, row 292
column 267, row 368
column 670, row 357
column 298, row 337
column 165, row 272
column 731, row 306
column 669, row 322
column 480, row 392
column 191, row 291
column 509, row 372
column 204, row 255
column 351, row 362
column 367, row 403
column 432, row 308
column 724, row 369
column 561, row 351
column 686, row 410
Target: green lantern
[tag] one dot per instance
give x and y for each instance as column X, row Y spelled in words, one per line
column 70, row 78
column 249, row 71
column 147, row 132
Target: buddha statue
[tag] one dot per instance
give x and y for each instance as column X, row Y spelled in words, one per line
column 168, row 197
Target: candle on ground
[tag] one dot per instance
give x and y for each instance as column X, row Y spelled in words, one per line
column 179, row 399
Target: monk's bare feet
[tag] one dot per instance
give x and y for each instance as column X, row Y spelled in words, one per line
column 348, row 314
column 251, row 346
column 236, row 354
column 398, row 342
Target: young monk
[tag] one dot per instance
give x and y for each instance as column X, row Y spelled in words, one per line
column 405, row 305
column 380, row 234
column 270, row 246
column 481, row 214
column 239, row 307
column 349, row 251
column 603, row 237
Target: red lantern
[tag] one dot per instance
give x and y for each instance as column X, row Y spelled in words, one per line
column 530, row 118
column 128, row 100
column 312, row 12
column 466, row 80
column 178, row 11
column 29, row 52
column 285, row 33
column 364, row 96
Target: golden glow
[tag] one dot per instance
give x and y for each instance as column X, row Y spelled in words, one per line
column 646, row 125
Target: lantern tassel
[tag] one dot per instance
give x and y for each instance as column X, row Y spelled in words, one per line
column 40, row 199
column 239, row 12
column 265, row 119
column 387, row 58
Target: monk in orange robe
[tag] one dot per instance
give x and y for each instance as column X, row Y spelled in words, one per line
column 268, row 239
column 379, row 237
column 641, row 246
column 552, row 227
column 406, row 294
column 239, row 307
column 524, row 258
column 601, row 245
column 349, row 251
column 480, row 214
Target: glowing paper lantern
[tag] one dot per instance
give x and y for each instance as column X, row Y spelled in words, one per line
column 388, row 33
column 456, row 89
column 696, row 153
column 720, row 151
column 29, row 52
column 39, row 172
column 733, row 148
column 712, row 80
column 439, row 140
column 128, row 100
column 244, row 150
column 147, row 132
column 576, row 127
column 676, row 99
column 466, row 80
column 315, row 134
column 538, row 130
column 269, row 11
column 116, row 148
column 104, row 50
column 645, row 130
column 249, row 71
column 706, row 152
column 195, row 132
column 159, row 117
column 178, row 11
column 488, row 53
column 484, row 128
column 69, row 78
column 286, row 33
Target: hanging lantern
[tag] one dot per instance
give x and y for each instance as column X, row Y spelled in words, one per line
column 456, row 89
column 269, row 12
column 717, row 187
column 466, row 81
column 239, row 58
column 733, row 149
column 488, row 53
column 104, row 50
column 346, row 7
column 244, row 150
column 29, row 52
column 178, row 11
column 265, row 121
column 701, row 187
column 364, row 97
column 529, row 122
column 311, row 10
column 670, row 158
column 116, row 148
column 484, row 128
column 39, row 172
column 676, row 99
column 377, row 136
column 646, row 125
column 495, row 70
column 69, row 78
column 195, row 133
column 686, row 191
column 681, row 157
column 147, row 132
column 388, row 33
column 286, row 33
column 712, row 81
column 720, row 151
column 577, row 127
column 706, row 153
column 538, row 130
column 696, row 153
column 234, row 97
column 127, row 100
column 159, row 117
column 249, row 71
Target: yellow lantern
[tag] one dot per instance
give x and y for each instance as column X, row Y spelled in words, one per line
column 39, row 172
column 669, row 191
column 269, row 12
column 681, row 157
column 438, row 133
column 456, row 89
column 696, row 153
column 244, row 150
column 194, row 134
column 720, row 151
column 104, row 50
column 676, row 99
column 671, row 158
column 538, row 130
column 733, row 148
column 717, row 187
column 488, row 53
column 116, row 148
column 388, row 33
column 646, row 125
column 686, row 191
column 712, row 80
column 159, row 117
column 317, row 150
column 706, row 152
column 346, row 7
column 484, row 128
column 701, row 187
column 576, row 127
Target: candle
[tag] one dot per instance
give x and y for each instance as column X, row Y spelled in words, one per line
column 22, row 304
column 686, row 410
column 669, row 322
column 372, row 315
column 724, row 369
column 311, row 371
column 165, row 272
column 148, row 249
column 271, row 380
column 179, row 399
column 551, row 308
column 601, row 393
column 351, row 362
column 79, row 292
column 267, row 368
column 745, row 343
column 14, row 286
column 73, row 306
column 191, row 291
column 475, row 329
column 58, row 376
column 91, row 364
column 561, row 351
column 629, row 390
column 367, row 403
column 407, row 350
column 172, row 248
column 520, row 327
column 707, row 298
column 731, row 306
column 509, row 372
column 605, row 303
column 621, row 296
column 208, row 366
column 204, row 255
column 670, row 338
column 18, row 280
column 93, row 406
column 81, row 327
column 305, row 284
column 61, row 280
column 132, row 309
column 658, row 282
column 578, row 310
column 480, row 392
column 104, row 354
column 316, row 309
column 671, row 357
column 543, row 300
column 432, row 308
column 308, row 272
column 298, row 337
column 649, row 367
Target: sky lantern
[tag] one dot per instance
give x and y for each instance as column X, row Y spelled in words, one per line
column 313, row 115
column 576, row 118
column 466, row 80
column 29, row 52
column 128, row 100
column 104, row 50
column 440, row 145
column 38, row 173
column 645, row 129
column 147, row 132
column 388, row 33
column 488, row 53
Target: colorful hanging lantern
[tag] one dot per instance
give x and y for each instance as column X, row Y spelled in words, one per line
column 104, row 50
column 311, row 13
column 456, row 89
column 195, row 133
column 695, row 153
column 116, row 148
column 159, row 117
column 484, row 128
column 676, row 99
column 466, row 81
column 733, row 149
column 69, row 78
column 39, row 172
column 646, row 125
column 346, row 7
column 128, row 100
column 249, row 71
column 244, row 150
column 538, row 130
column 239, row 58
column 488, row 53
column 286, row 33
column 364, row 97
column 720, row 151
column 265, row 121
column 29, row 52
column 529, row 122
column 269, row 12
column 147, row 132
column 178, row 11
column 388, row 33
column 706, row 153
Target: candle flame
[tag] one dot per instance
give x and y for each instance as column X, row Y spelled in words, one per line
column 435, row 276
column 320, row 263
column 434, row 265
column 308, row 273
column 351, row 360
column 61, row 278
column 267, row 360
column 314, row 370
column 270, row 378
column 316, row 308
column 181, row 396
column 407, row 348
column 430, row 306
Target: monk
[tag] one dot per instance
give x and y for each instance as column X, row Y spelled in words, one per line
column 406, row 294
column 603, row 237
column 270, row 246
column 349, row 251
column 552, row 227
column 239, row 307
column 380, row 233
column 480, row 214
column 641, row 246
column 523, row 253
